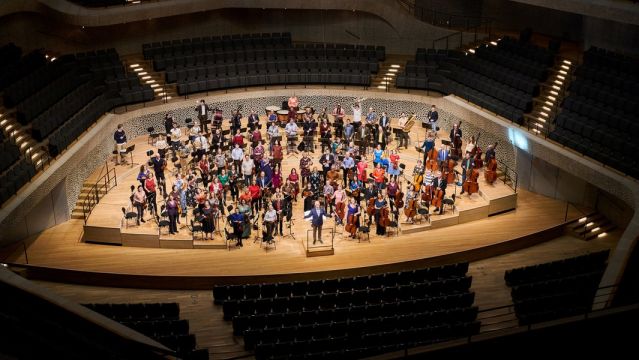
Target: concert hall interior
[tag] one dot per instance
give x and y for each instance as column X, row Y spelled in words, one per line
column 337, row 179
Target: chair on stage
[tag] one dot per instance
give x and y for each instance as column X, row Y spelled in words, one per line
column 196, row 227
column 128, row 216
column 153, row 137
column 449, row 202
column 423, row 214
column 394, row 224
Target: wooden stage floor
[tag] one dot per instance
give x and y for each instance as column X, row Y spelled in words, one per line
column 466, row 234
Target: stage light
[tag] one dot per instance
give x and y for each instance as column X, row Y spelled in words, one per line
column 472, row 51
column 493, row 43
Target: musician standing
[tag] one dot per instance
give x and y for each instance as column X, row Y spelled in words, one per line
column 380, row 203
column 338, row 113
column 120, row 144
column 253, row 121
column 237, row 154
column 441, row 183
column 247, row 170
column 327, row 161
column 237, row 219
column 202, row 114
column 428, row 145
column 442, row 155
column 347, row 165
column 384, row 126
column 433, row 117
column 490, row 153
column 467, row 166
column 371, row 117
column 279, row 205
column 456, row 138
column 305, row 168
column 357, row 116
column 403, row 132
column 317, row 221
column 159, row 164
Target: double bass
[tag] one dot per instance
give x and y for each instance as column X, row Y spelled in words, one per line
column 491, row 167
column 351, row 224
column 339, row 210
column 457, row 144
column 411, row 209
column 431, row 163
column 370, row 207
column 450, row 176
column 438, row 196
column 384, row 219
column 470, row 185
column 479, row 163
column 399, row 198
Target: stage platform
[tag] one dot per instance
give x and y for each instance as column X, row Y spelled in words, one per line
column 106, row 224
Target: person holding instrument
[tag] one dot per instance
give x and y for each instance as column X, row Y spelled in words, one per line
column 236, row 220
column 456, row 139
column 381, row 214
column 467, row 167
column 279, row 204
column 270, row 218
column 352, row 218
column 120, row 145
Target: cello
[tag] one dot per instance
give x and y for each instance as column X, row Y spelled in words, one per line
column 438, row 196
column 417, row 181
column 399, row 198
column 411, row 209
column 470, row 185
column 384, row 219
column 450, row 178
column 339, row 210
column 351, row 224
column 370, row 207
column 431, row 163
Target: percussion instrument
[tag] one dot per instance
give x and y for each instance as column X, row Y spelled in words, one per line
column 272, row 109
column 300, row 115
column 282, row 116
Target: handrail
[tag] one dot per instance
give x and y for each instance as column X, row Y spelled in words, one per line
column 508, row 175
column 104, row 184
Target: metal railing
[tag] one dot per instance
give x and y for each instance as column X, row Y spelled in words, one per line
column 509, row 174
column 101, row 187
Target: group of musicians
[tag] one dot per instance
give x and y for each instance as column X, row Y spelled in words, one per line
column 236, row 174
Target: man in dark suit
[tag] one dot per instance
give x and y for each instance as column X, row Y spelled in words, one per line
column 441, row 183
column 317, row 214
column 467, row 166
column 433, row 116
column 202, row 114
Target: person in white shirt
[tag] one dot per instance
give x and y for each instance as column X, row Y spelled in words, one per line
column 237, row 154
column 270, row 218
column 402, row 135
column 273, row 133
column 195, row 131
column 176, row 133
column 201, row 145
column 247, row 170
column 291, row 128
column 357, row 116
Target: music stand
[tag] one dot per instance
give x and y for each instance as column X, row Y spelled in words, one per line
column 290, row 146
column 129, row 150
column 446, row 142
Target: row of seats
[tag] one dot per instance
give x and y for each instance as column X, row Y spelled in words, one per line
column 293, row 316
column 499, row 91
column 10, row 154
column 355, row 329
column 435, row 292
column 599, row 118
column 512, row 61
column 556, row 289
column 222, row 293
column 160, row 321
column 218, row 43
column 260, row 56
column 14, row 178
column 615, row 118
column 487, row 102
column 14, row 67
column 36, row 80
column 209, row 72
column 366, row 346
column 48, row 97
column 527, row 50
column 502, row 75
column 557, row 269
column 336, row 77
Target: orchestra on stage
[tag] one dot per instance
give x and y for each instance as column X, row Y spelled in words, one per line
column 348, row 166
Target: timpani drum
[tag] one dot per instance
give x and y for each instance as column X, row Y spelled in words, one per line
column 272, row 109
column 300, row 115
column 282, row 116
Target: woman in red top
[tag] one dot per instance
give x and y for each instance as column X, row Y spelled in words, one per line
column 149, row 188
column 378, row 175
column 204, row 170
column 294, row 178
column 361, row 170
column 276, row 181
column 256, row 195
column 394, row 158
column 278, row 155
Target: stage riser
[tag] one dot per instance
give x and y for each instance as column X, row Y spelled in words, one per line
column 140, row 240
column 176, row 244
column 473, row 214
column 102, row 235
column 503, row 204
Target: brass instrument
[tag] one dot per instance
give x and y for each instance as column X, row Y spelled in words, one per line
column 409, row 124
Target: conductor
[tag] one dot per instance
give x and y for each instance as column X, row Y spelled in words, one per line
column 317, row 214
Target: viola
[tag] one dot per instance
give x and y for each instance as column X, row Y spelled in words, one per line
column 470, row 185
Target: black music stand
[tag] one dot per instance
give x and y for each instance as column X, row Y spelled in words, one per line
column 291, row 148
column 129, row 150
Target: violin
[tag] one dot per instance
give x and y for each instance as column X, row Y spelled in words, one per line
column 470, row 185
column 491, row 171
